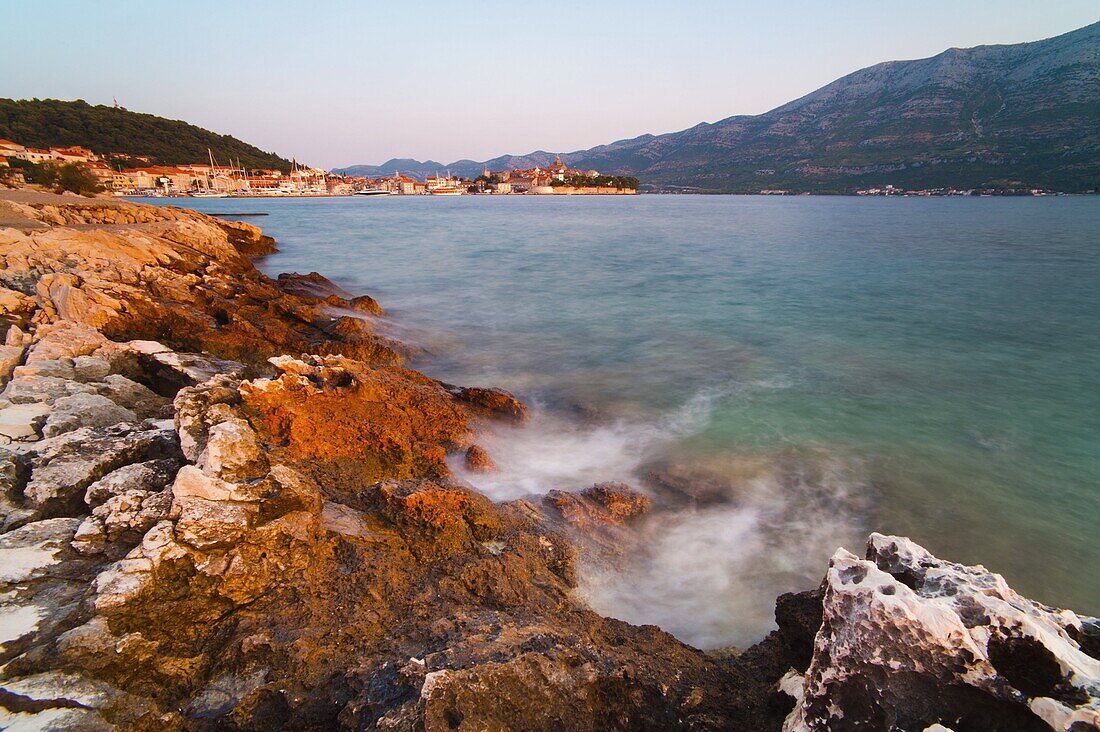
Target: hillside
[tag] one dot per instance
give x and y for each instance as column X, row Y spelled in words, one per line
column 1024, row 115
column 52, row 122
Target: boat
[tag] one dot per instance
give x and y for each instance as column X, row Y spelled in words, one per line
column 445, row 191
column 373, row 192
column 208, row 194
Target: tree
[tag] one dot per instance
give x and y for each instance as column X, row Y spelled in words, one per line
column 77, row 178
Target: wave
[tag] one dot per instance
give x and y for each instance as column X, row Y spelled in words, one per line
column 555, row 452
column 710, row 574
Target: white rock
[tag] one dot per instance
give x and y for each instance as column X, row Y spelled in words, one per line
column 28, row 551
column 233, row 451
column 904, row 632
column 148, row 348
column 23, row 421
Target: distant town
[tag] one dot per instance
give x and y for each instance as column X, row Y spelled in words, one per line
column 212, row 180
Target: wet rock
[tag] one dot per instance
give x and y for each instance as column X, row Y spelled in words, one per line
column 603, row 503
column 496, row 403
column 478, row 460
column 908, row 640
column 337, row 415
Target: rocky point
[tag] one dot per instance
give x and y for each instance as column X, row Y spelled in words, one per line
column 225, row 503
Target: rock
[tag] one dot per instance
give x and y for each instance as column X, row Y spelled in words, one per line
column 478, row 460
column 90, row 536
column 91, row 368
column 335, row 414
column 603, row 503
column 84, row 410
column 313, row 286
column 148, row 476
column 26, row 388
column 63, row 467
column 908, row 640
column 495, row 403
column 207, row 524
column 233, row 452
column 28, row 551
column 130, row 514
column 23, row 421
column 131, row 395
column 10, row 357
column 366, row 304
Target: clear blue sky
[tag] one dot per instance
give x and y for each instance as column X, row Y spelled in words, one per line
column 336, row 83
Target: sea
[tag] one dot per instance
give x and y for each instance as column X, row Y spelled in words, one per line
column 805, row 370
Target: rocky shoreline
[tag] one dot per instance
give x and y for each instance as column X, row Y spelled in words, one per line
column 226, row 505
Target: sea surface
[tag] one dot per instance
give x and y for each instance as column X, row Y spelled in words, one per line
column 811, row 368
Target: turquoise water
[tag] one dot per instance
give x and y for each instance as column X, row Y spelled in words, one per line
column 928, row 367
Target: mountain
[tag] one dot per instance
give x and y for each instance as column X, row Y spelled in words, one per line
column 102, row 129
column 1023, row 115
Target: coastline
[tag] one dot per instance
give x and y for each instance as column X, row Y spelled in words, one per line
column 293, row 546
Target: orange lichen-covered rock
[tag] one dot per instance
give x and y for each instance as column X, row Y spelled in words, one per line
column 478, row 460
column 603, row 503
column 392, row 422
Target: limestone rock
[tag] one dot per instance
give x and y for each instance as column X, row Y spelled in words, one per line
column 233, row 452
column 91, row 368
column 23, row 421
column 62, row 468
column 207, row 524
column 31, row 549
column 10, row 357
column 149, row 476
column 908, row 640
column 84, row 410
column 132, row 513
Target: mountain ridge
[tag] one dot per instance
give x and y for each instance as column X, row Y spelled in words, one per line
column 998, row 115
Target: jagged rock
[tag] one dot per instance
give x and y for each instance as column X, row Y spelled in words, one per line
column 478, row 460
column 10, row 358
column 132, row 513
column 206, row 524
column 497, row 403
column 603, row 503
column 63, row 467
column 908, row 640
column 329, row 411
column 27, row 388
column 90, row 536
column 131, row 395
column 149, row 476
column 233, row 452
column 84, row 410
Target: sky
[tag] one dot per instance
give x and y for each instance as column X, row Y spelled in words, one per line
column 339, row 83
